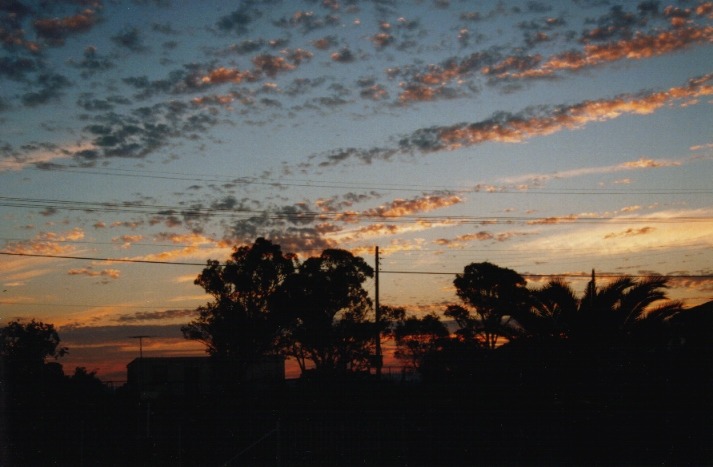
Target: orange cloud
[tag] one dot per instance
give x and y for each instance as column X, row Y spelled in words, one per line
column 297, row 56
column 223, row 99
column 502, row 237
column 630, row 232
column 106, row 273
column 703, row 284
column 372, row 230
column 633, row 208
column 705, row 9
column 639, row 47
column 55, row 30
column 674, row 229
column 47, row 243
column 477, row 236
column 323, row 43
column 182, row 253
column 374, row 92
column 461, row 239
column 395, row 246
column 226, row 75
column 271, row 65
column 17, row 273
column 194, row 247
column 404, row 207
column 400, row 208
column 521, row 64
column 437, row 75
column 378, row 230
column 16, row 38
column 699, row 147
column 417, row 93
column 192, row 239
column 514, row 129
column 644, row 163
column 127, row 240
column 382, row 39
column 42, row 156
column 554, row 220
column 541, row 178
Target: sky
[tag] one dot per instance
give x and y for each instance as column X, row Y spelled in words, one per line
column 139, row 139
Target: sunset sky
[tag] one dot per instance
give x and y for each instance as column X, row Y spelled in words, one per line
column 549, row 137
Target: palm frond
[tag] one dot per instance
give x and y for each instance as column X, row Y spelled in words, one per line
column 664, row 312
column 639, row 297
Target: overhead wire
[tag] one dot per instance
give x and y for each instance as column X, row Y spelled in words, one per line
column 307, row 215
column 382, row 186
column 179, row 263
column 106, row 260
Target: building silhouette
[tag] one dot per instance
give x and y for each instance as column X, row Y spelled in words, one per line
column 155, row 377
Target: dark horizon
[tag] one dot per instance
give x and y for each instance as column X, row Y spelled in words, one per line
column 524, row 404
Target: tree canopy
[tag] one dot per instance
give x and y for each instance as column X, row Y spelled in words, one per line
column 240, row 324
column 266, row 302
column 418, row 337
column 329, row 311
column 606, row 314
column 492, row 296
column 26, row 347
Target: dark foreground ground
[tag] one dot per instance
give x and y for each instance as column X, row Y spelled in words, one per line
column 520, row 415
column 531, row 402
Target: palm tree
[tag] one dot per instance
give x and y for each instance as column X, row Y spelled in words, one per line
column 553, row 310
column 603, row 345
column 606, row 315
column 622, row 308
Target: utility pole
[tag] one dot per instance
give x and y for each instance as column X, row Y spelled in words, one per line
column 141, row 379
column 592, row 291
column 141, row 344
column 377, row 311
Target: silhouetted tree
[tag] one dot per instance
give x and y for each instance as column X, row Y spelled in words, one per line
column 25, row 348
column 608, row 314
column 241, row 325
column 623, row 307
column 493, row 296
column 330, row 308
column 32, row 382
column 417, row 337
column 456, row 361
column 85, row 385
column 606, row 345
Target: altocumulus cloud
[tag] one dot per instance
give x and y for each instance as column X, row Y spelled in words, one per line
column 148, row 316
column 90, row 272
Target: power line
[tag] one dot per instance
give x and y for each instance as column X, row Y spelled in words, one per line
column 87, row 305
column 452, row 253
column 570, row 275
column 117, row 243
column 263, row 181
column 306, row 215
column 308, row 183
column 108, row 260
column 175, row 263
